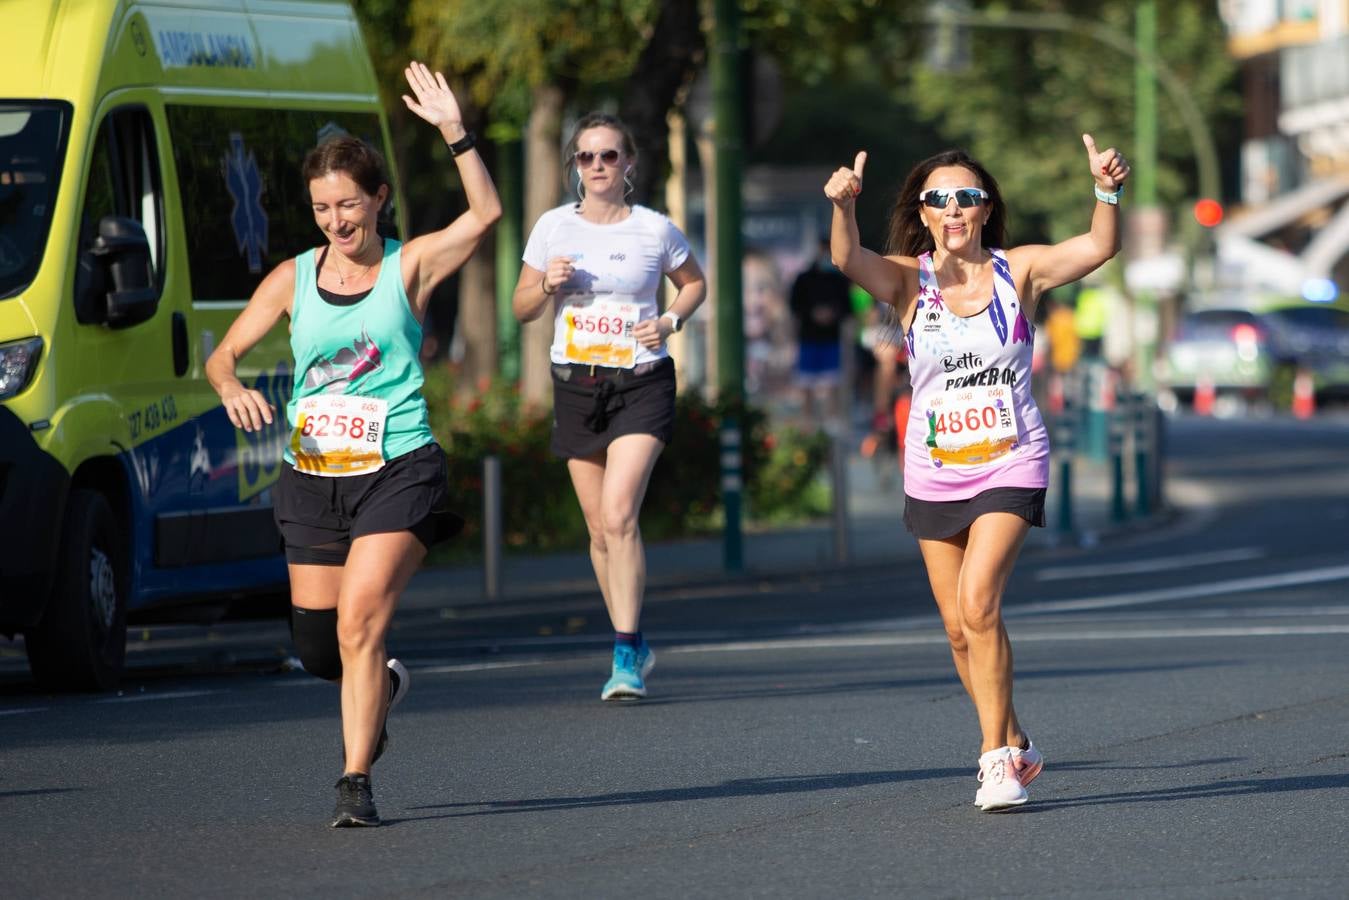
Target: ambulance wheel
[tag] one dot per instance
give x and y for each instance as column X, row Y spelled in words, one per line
column 80, row 643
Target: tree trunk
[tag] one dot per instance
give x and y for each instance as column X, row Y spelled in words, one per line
column 668, row 62
column 543, row 182
column 477, row 323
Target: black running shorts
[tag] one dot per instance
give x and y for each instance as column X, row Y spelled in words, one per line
column 594, row 405
column 319, row 516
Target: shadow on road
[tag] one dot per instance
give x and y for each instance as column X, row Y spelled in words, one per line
column 1234, row 787
column 740, row 787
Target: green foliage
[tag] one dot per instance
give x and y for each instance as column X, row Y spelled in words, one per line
column 503, row 48
column 539, row 508
column 1026, row 96
column 815, row 40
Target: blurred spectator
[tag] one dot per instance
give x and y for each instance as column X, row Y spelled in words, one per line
column 1089, row 319
column 770, row 346
column 1064, row 344
column 820, row 303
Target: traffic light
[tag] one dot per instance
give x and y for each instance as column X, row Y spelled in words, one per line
column 1208, row 212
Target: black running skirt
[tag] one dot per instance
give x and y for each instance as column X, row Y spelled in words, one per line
column 938, row 519
column 592, row 406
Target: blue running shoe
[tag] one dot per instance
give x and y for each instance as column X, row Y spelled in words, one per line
column 646, row 659
column 626, row 681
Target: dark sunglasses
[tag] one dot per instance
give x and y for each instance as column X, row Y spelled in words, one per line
column 937, row 198
column 584, row 157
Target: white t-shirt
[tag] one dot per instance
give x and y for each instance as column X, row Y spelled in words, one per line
column 619, row 268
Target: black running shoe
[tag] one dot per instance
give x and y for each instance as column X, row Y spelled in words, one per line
column 400, row 682
column 355, row 803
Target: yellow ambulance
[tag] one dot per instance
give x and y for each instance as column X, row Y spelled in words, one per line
column 149, row 178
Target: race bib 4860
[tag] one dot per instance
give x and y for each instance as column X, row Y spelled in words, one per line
column 969, row 426
column 600, row 333
column 336, row 435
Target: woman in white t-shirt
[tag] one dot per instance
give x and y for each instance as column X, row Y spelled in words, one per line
column 599, row 264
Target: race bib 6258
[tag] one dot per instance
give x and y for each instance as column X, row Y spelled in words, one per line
column 336, row 435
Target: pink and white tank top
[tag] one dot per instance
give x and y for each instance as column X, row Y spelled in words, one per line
column 973, row 424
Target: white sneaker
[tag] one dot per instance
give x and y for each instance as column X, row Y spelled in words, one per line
column 1000, row 789
column 1027, row 763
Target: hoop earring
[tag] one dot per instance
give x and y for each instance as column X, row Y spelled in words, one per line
column 628, row 186
column 579, row 188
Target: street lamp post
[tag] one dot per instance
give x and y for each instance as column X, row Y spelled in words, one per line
column 729, row 112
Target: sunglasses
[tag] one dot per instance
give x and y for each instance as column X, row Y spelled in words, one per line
column 584, row 158
column 937, row 198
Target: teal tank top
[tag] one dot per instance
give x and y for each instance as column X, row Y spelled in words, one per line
column 368, row 349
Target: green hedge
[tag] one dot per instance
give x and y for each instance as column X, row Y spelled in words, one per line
column 539, row 509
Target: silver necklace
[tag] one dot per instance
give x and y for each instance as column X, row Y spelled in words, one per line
column 338, row 269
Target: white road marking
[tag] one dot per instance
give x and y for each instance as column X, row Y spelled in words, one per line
column 1019, row 636
column 1184, row 592
column 1143, row 566
column 26, row 709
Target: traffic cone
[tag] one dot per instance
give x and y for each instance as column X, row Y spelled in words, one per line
column 1304, row 395
column 1204, row 395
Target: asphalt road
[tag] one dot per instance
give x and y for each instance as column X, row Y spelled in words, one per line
column 805, row 736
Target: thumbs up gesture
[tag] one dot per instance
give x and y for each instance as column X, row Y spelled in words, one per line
column 1107, row 166
column 845, row 184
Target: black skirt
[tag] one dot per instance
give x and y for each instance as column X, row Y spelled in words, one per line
column 592, row 405
column 938, row 519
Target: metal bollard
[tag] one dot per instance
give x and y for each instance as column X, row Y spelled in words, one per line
column 838, row 470
column 1118, row 512
column 491, row 527
column 1065, row 434
column 732, row 486
column 1095, row 410
column 1142, row 407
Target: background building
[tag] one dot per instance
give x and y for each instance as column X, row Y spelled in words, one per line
column 1291, row 235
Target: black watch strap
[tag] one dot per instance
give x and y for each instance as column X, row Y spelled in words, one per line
column 464, row 144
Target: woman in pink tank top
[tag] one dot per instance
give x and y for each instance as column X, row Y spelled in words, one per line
column 976, row 459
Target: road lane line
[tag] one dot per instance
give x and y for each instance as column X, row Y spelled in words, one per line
column 142, row 698
column 479, row 667
column 1185, row 592
column 26, row 709
column 1144, row 566
column 1076, row 634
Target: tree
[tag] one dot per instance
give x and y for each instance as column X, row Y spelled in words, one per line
column 462, row 304
column 522, row 61
column 1026, row 96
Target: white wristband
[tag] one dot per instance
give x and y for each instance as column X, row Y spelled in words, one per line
column 1112, row 199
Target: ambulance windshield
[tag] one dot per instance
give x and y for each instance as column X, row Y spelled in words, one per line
column 32, row 147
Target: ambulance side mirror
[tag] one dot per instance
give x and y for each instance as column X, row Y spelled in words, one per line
column 121, row 256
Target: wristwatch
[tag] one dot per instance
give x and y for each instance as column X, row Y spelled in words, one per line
column 675, row 322
column 464, row 144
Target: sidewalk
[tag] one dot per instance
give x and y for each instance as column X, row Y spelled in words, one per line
column 876, row 537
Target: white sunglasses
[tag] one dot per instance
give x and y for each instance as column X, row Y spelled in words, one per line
column 937, row 198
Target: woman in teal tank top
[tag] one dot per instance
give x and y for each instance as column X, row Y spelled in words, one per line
column 364, row 492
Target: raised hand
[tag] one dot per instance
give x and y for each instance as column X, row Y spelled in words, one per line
column 435, row 101
column 1107, row 166
column 845, row 184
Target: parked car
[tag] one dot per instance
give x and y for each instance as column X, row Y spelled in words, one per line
column 1233, row 351
column 1315, row 339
